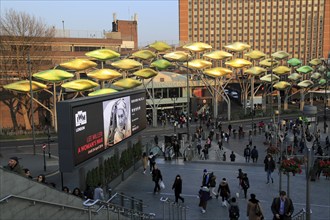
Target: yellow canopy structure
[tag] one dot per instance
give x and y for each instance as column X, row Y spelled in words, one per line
column 78, row 64
column 23, row 86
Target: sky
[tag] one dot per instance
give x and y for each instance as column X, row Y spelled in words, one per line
column 157, row 20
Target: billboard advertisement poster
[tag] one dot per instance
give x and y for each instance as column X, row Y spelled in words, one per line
column 89, row 126
column 117, row 120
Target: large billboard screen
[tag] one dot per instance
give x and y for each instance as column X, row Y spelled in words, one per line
column 89, row 126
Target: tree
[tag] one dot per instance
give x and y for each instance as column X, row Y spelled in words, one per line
column 22, row 35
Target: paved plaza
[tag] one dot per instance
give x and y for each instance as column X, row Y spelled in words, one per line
column 140, row 185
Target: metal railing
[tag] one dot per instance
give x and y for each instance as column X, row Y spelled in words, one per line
column 172, row 210
column 125, row 201
column 301, row 215
column 120, row 210
column 92, row 207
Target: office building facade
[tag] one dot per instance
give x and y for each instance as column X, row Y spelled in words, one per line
column 299, row 27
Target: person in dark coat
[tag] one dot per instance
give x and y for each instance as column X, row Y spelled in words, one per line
column 156, row 177
column 254, row 155
column 177, row 186
column 269, row 167
column 245, row 184
column 204, row 196
column 284, row 213
column 14, row 166
column 224, row 191
column 232, row 156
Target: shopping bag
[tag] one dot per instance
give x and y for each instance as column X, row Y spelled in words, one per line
column 162, row 185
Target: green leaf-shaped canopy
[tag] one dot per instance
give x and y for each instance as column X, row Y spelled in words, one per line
column 103, row 54
column 161, row 64
column 24, row 86
column 294, row 62
column 53, row 75
column 146, row 73
column 322, row 82
column 305, row 69
column 102, row 92
column 80, row 85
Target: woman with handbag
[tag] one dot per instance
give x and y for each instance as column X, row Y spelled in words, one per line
column 254, row 211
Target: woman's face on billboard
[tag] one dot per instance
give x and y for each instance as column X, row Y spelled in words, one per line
column 121, row 119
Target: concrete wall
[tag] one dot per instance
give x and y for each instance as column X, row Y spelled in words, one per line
column 13, row 184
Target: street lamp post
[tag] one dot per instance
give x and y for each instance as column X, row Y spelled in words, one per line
column 32, row 113
column 188, row 100
column 308, row 139
column 288, row 139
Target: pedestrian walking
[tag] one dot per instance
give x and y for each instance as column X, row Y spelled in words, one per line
column 204, row 196
column 224, row 191
column 206, row 178
column 240, row 177
column 144, row 162
column 205, row 152
column 247, row 153
column 156, row 140
column 220, row 144
column 177, row 187
column 282, row 207
column 245, row 184
column 156, row 177
column 14, row 166
column 269, row 167
column 212, row 184
column 199, row 146
column 98, row 192
column 233, row 209
column 232, row 156
column 254, row 210
column 254, row 154
column 152, row 161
